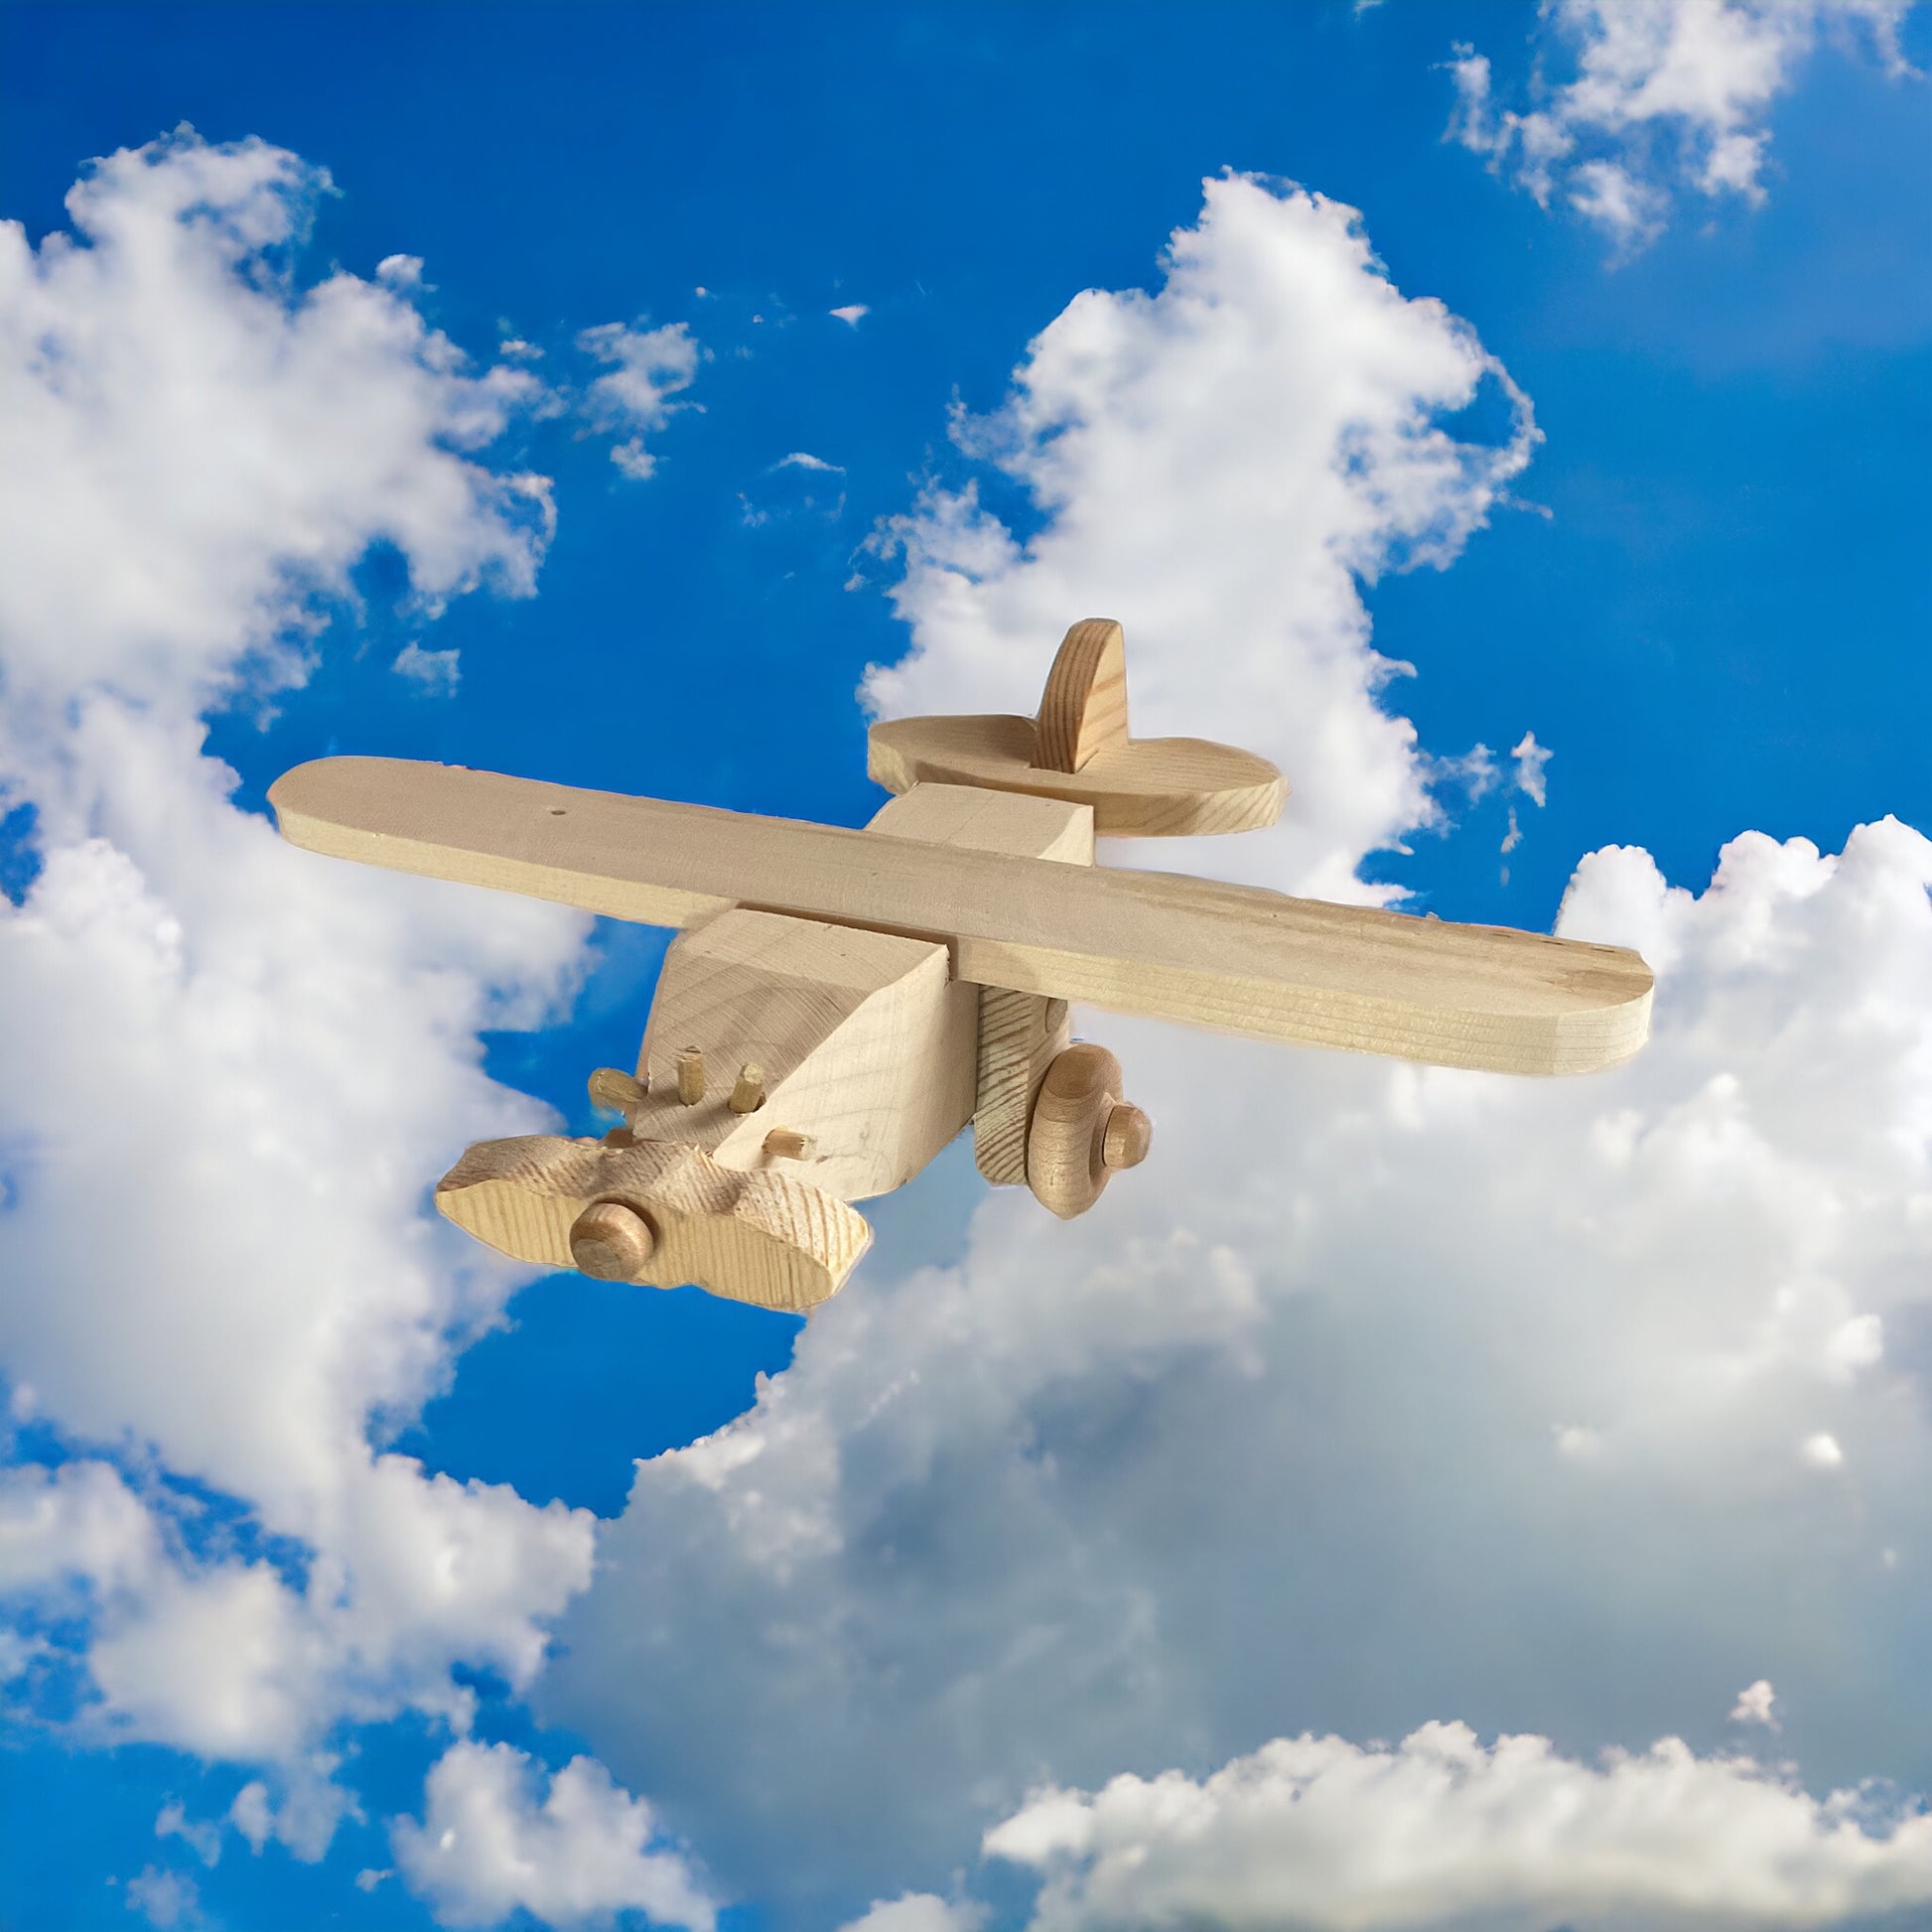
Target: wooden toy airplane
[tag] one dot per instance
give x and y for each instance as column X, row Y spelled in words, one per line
column 842, row 1003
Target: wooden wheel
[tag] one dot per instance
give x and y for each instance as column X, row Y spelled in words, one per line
column 1081, row 1132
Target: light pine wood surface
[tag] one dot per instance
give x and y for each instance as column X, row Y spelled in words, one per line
column 1081, row 1132
column 1019, row 1036
column 1079, row 749
column 1019, row 1033
column 862, row 1041
column 759, row 1237
column 1235, row 958
column 612, row 1242
column 1014, row 822
column 1143, row 787
column 1083, row 709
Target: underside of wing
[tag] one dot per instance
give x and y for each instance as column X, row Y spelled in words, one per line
column 1235, row 958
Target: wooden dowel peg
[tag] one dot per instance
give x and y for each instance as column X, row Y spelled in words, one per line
column 784, row 1143
column 690, row 1076
column 747, row 1096
column 611, row 1242
column 616, row 1091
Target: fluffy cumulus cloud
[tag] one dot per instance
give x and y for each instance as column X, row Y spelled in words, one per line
column 77, row 1521
column 181, row 471
column 486, row 1847
column 221, row 1275
column 1381, row 1396
column 1660, row 93
column 1319, row 1835
column 1221, row 463
column 1473, row 1395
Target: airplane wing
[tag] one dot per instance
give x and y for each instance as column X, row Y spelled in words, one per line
column 1233, row 958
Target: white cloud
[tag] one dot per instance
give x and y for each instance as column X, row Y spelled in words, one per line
column 1532, row 762
column 79, row 1523
column 1663, row 92
column 852, row 314
column 1219, row 462
column 488, row 1847
column 199, row 452
column 1755, row 1703
column 201, row 1836
column 805, row 459
column 175, row 545
column 164, row 1899
column 922, row 1912
column 18, row 1653
column 437, row 672
column 252, row 1814
column 651, row 366
column 305, row 1814
column 1632, row 212
column 1310, row 1833
column 1193, row 1464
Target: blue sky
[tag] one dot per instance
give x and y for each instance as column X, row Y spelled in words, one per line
column 1592, row 1412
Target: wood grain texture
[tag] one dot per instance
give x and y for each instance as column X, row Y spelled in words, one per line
column 863, row 1040
column 1016, row 822
column 1083, row 709
column 1234, row 958
column 611, row 1242
column 1019, row 1033
column 1146, row 787
column 1067, row 1165
column 689, row 1067
column 1127, row 1139
column 763, row 1238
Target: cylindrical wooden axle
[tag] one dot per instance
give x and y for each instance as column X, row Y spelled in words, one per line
column 1127, row 1137
column 610, row 1241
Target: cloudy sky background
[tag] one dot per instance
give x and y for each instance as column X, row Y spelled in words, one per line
column 1414, row 1498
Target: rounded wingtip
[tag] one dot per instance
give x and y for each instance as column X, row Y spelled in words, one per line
column 323, row 791
column 298, row 785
